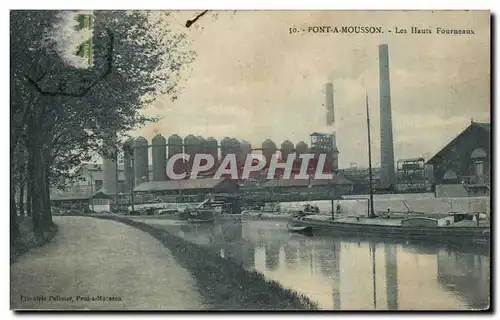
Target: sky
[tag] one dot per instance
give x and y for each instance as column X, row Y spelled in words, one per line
column 252, row 80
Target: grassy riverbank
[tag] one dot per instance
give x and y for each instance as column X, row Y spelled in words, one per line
column 224, row 284
column 28, row 240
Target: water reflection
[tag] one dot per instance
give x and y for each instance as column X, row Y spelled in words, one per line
column 466, row 275
column 272, row 252
column 346, row 274
column 391, row 276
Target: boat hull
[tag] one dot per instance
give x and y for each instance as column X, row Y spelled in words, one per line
column 299, row 228
column 443, row 234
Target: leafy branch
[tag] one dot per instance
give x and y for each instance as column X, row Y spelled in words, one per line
column 107, row 72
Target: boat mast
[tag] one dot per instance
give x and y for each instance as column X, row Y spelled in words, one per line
column 372, row 212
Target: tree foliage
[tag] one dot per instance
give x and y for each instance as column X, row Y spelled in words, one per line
column 62, row 113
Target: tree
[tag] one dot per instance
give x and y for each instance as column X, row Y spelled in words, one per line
column 63, row 113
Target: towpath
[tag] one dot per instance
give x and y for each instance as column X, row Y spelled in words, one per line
column 99, row 265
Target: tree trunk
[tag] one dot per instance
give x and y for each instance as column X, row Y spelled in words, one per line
column 47, row 210
column 21, row 200
column 28, row 199
column 14, row 226
column 35, row 179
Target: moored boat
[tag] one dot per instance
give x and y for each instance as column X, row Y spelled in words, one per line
column 201, row 215
column 453, row 228
column 299, row 228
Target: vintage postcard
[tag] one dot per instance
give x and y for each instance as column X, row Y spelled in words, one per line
column 250, row 160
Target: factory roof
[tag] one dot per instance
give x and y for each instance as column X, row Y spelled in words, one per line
column 185, row 184
column 98, row 167
column 96, row 170
column 411, row 159
column 70, row 195
column 60, row 195
column 485, row 126
column 319, row 134
column 338, row 179
column 481, row 125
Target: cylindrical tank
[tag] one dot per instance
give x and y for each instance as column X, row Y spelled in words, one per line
column 202, row 145
column 109, row 165
column 128, row 169
column 203, row 150
column 301, row 147
column 109, row 176
column 141, row 160
column 268, row 150
column 286, row 149
column 245, row 149
column 211, row 148
column 174, row 145
column 225, row 146
column 234, row 147
column 159, row 154
column 191, row 145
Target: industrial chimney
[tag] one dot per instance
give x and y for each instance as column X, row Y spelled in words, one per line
column 330, row 121
column 387, row 173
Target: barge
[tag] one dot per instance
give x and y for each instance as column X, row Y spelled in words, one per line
column 456, row 228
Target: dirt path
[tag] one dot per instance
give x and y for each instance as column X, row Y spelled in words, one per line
column 93, row 261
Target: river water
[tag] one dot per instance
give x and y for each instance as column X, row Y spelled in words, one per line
column 350, row 274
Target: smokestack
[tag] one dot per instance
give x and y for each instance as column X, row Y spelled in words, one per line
column 387, row 174
column 330, row 121
column 330, row 115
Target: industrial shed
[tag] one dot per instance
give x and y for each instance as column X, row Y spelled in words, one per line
column 188, row 190
column 70, row 200
column 466, row 158
column 304, row 189
column 463, row 167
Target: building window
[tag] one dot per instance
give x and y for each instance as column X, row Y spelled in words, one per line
column 478, row 153
column 479, row 168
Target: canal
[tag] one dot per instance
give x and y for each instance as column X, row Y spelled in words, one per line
column 347, row 273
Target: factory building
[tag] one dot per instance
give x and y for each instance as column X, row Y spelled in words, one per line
column 279, row 189
column 360, row 177
column 463, row 166
column 183, row 190
column 412, row 176
column 90, row 184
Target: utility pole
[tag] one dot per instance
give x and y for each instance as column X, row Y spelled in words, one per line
column 330, row 183
column 116, row 175
column 91, row 189
column 133, row 181
column 372, row 211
